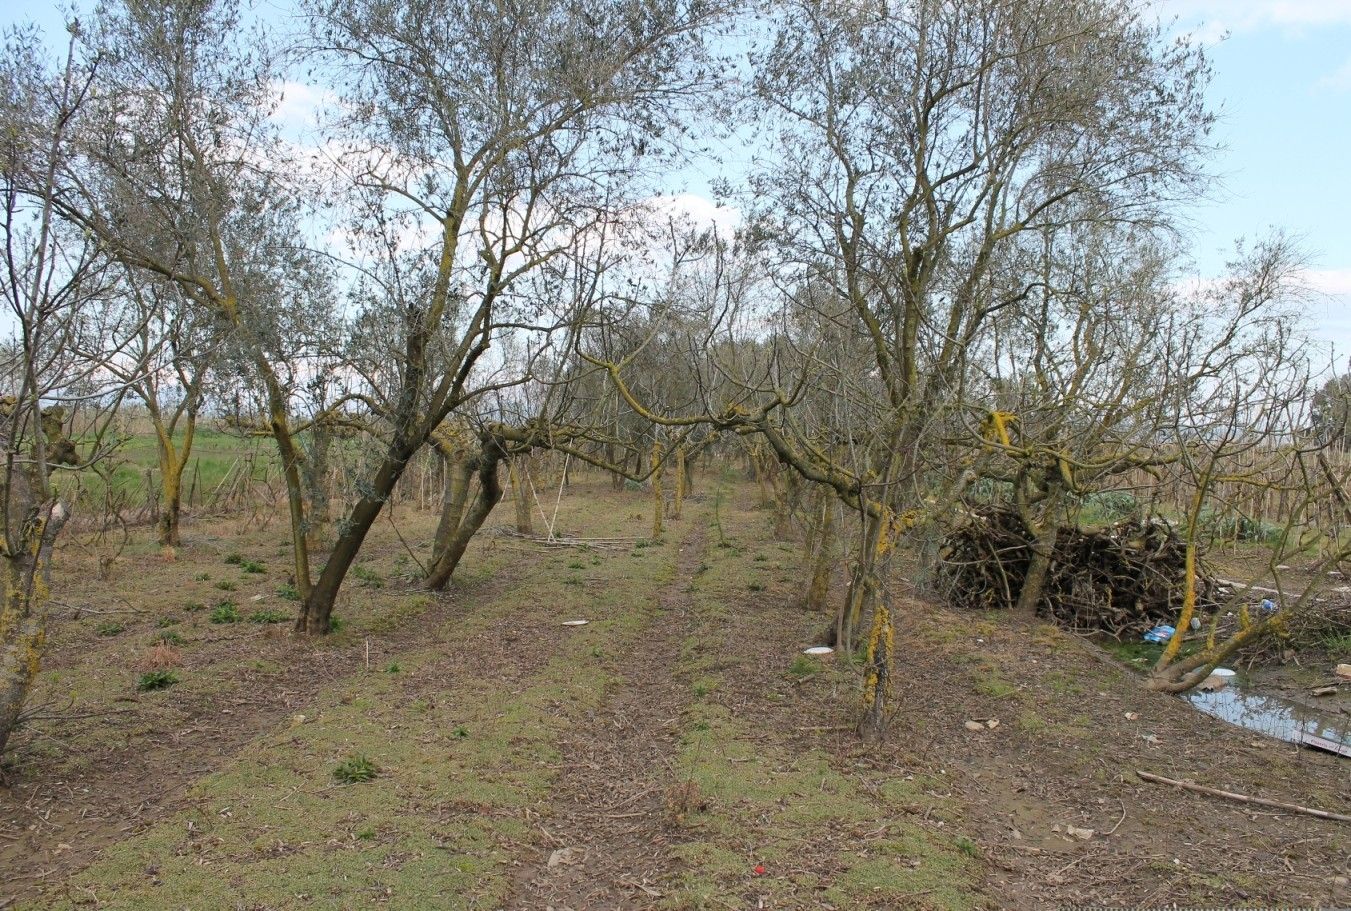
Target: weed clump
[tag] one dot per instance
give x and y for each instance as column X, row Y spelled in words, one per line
column 225, row 612
column 156, row 680
column 355, row 769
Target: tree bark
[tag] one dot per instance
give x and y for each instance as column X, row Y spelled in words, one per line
column 1038, row 568
column 519, row 471
column 459, row 470
column 489, row 495
column 23, row 614
column 819, row 589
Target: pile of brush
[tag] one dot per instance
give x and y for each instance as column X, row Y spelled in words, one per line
column 1122, row 580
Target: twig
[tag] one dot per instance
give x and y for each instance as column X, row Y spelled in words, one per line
column 1242, row 798
column 1119, row 821
column 390, row 515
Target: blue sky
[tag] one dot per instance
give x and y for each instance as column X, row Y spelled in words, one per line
column 1282, row 80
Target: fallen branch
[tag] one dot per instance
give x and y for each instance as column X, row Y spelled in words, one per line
column 1243, row 798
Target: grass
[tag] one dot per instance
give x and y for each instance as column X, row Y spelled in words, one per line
column 995, row 688
column 367, row 576
column 225, row 612
column 767, row 800
column 156, row 680
column 437, row 825
column 269, row 616
column 461, row 762
column 356, row 769
column 214, row 455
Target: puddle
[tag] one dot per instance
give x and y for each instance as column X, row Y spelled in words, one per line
column 1272, row 715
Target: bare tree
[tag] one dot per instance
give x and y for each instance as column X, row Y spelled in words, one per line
column 50, row 279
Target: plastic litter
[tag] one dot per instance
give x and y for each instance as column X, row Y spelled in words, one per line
column 1159, row 634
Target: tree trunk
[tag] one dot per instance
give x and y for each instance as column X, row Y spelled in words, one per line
column 1038, row 567
column 681, row 480
column 459, row 470
column 173, row 461
column 23, row 612
column 857, row 599
column 317, row 607
column 315, row 475
column 877, row 682
column 489, row 494
column 658, row 498
column 171, row 480
column 819, row 590
column 519, row 471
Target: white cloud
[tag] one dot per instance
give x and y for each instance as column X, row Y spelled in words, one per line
column 1339, row 80
column 1210, row 19
column 697, row 212
column 1334, row 282
column 299, row 105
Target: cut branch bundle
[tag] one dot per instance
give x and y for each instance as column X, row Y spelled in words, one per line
column 1122, row 580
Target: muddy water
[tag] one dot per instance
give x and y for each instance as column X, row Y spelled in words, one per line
column 1272, row 715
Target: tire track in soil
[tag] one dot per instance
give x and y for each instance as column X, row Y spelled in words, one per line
column 607, row 809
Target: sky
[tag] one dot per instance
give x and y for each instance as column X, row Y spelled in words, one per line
column 1282, row 85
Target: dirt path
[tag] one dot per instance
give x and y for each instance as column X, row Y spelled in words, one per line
column 606, row 825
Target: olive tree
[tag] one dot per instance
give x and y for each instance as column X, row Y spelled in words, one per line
column 52, row 278
column 482, row 142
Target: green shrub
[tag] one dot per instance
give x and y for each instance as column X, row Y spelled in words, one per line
column 109, row 628
column 225, row 585
column 156, row 680
column 235, row 559
column 355, row 769
column 253, row 566
column 169, row 637
column 225, row 612
column 288, row 592
column 269, row 616
column 162, row 622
